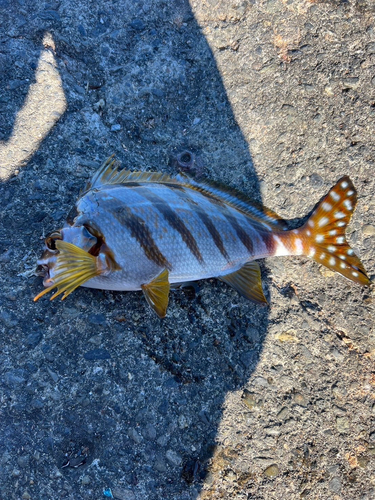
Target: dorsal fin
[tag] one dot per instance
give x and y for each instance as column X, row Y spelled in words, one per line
column 109, row 174
column 235, row 199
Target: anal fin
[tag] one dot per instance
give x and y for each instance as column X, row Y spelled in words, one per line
column 247, row 281
column 157, row 293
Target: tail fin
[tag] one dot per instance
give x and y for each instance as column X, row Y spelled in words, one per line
column 323, row 235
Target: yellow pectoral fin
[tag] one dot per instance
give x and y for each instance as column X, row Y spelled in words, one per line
column 157, row 293
column 74, row 267
column 247, row 281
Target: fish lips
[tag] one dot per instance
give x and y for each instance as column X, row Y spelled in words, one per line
column 77, row 235
column 45, row 267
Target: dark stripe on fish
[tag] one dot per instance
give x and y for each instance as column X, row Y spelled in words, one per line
column 173, row 220
column 241, row 233
column 142, row 234
column 207, row 222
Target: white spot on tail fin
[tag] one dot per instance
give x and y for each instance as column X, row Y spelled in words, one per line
column 319, row 238
column 298, row 246
column 312, row 252
column 335, row 196
column 349, row 193
column 355, row 274
column 326, row 206
column 311, row 223
column 339, row 215
column 344, row 184
column 348, row 204
column 323, row 221
column 343, row 265
column 340, row 240
column 331, row 249
column 332, row 261
column 350, row 251
column 340, row 223
column 333, row 232
column 280, row 247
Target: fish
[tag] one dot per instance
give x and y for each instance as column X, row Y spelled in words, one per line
column 149, row 231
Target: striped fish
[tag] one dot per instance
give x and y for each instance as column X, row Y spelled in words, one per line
column 146, row 231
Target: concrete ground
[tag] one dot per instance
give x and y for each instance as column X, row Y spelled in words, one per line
column 222, row 399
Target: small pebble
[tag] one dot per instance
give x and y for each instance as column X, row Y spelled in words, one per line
column 97, row 319
column 173, row 457
column 15, row 378
column 250, row 399
column 272, row 471
column 299, row 399
column 288, row 336
column 316, row 181
column 33, row 339
column 160, row 465
column 135, row 436
column 23, row 461
column 342, row 424
column 137, row 24
column 182, row 422
column 122, row 494
column 363, row 461
column 149, row 432
column 368, row 230
column 335, row 484
column 9, row 319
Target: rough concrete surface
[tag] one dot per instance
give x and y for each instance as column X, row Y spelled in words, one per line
column 222, row 399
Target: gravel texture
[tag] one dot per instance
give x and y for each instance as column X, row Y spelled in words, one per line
column 222, row 399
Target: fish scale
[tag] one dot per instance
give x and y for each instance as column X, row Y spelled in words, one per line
column 146, row 230
column 184, row 264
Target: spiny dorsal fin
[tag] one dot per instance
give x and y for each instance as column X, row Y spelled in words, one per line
column 247, row 281
column 109, row 174
column 157, row 293
column 74, row 267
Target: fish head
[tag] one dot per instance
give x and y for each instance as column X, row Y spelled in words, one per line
column 80, row 236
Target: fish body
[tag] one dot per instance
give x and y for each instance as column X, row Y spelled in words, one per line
column 142, row 230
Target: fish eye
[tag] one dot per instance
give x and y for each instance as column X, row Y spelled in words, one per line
column 50, row 240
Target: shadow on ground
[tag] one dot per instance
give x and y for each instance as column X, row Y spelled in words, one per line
column 96, row 392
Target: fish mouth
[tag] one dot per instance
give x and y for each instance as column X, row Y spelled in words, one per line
column 45, row 267
column 80, row 236
column 47, row 262
column 71, row 257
